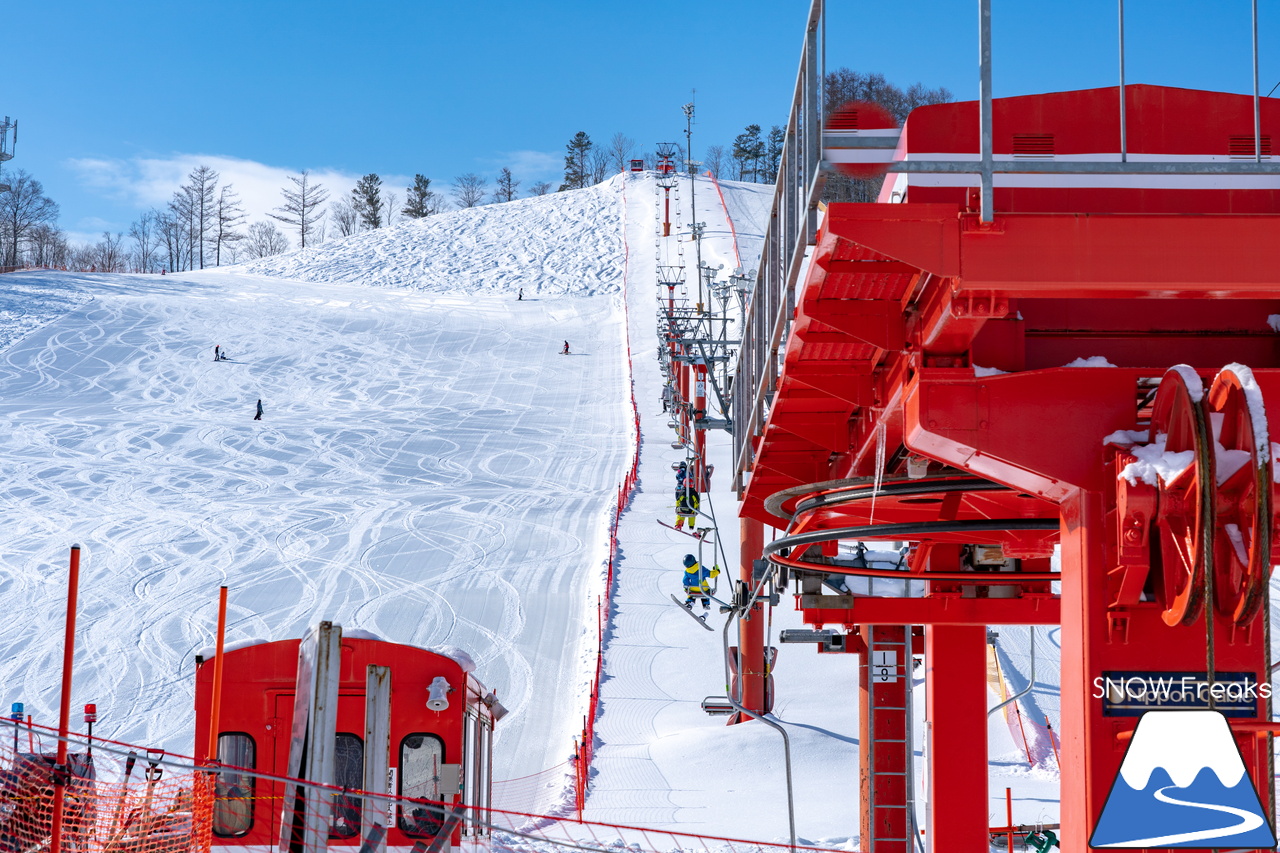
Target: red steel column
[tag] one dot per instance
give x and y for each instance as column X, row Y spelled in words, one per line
column 751, row 668
column 882, row 734
column 64, row 710
column 956, row 661
column 684, row 371
column 700, row 435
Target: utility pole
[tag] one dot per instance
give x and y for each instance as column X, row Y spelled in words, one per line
column 696, row 226
column 7, row 146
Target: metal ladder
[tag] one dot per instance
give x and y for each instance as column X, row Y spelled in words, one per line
column 898, row 770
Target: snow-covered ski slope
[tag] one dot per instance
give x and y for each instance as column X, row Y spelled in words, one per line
column 432, row 470
column 552, row 245
column 429, row 468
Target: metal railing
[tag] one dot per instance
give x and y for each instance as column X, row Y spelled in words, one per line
column 792, row 227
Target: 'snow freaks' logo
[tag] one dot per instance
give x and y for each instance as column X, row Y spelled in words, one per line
column 1183, row 784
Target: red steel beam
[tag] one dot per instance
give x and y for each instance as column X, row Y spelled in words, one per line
column 936, row 610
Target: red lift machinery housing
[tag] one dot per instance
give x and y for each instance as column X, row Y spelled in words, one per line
column 443, row 756
column 943, row 384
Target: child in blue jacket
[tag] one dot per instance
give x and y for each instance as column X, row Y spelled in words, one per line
column 696, row 582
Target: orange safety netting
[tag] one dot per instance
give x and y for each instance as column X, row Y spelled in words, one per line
column 122, row 801
column 150, row 809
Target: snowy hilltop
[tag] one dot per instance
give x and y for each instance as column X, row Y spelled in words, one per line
column 553, row 245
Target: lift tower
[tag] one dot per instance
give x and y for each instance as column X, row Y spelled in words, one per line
column 1055, row 298
column 8, row 142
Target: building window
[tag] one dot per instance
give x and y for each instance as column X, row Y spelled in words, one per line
column 348, row 772
column 421, row 757
column 233, row 792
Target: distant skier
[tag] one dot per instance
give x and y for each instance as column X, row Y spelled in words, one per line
column 217, row 354
column 520, row 295
column 258, row 415
column 565, row 351
column 697, row 583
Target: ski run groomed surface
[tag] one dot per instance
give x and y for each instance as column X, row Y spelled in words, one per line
column 432, row 470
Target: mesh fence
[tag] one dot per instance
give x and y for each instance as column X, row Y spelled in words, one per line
column 148, row 809
column 122, row 799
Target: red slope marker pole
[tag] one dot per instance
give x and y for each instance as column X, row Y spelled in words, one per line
column 64, row 712
column 216, row 710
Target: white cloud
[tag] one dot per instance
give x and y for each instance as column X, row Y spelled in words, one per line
column 146, row 182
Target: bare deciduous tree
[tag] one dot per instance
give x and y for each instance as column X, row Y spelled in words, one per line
column 599, row 167
column 716, row 160
column 46, row 246
column 109, row 253
column 540, row 188
column 264, row 240
column 390, row 207
column 844, row 85
column 344, row 217
column 145, row 238
column 22, row 208
column 228, row 214
column 300, row 208
column 620, row 148
column 468, row 190
column 201, row 188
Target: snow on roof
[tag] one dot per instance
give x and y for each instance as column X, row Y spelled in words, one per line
column 553, row 245
column 460, row 657
column 210, row 651
column 1091, row 361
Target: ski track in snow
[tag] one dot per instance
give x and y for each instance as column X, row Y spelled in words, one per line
column 429, row 468
column 550, row 245
column 427, row 471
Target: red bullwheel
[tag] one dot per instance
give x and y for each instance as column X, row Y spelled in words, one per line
column 1242, row 526
column 1184, row 518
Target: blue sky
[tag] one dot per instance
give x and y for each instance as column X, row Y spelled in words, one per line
column 116, row 102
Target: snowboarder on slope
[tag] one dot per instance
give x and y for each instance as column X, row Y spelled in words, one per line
column 565, row 351
column 686, row 506
column 258, row 416
column 697, row 583
column 217, row 352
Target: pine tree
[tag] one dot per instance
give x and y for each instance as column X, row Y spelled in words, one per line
column 366, row 198
column 773, row 153
column 748, row 149
column 576, row 169
column 421, row 200
column 507, row 186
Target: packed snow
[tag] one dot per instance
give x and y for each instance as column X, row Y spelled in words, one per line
column 430, row 470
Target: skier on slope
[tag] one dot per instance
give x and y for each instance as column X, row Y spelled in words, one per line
column 520, row 295
column 565, row 351
column 258, row 415
column 217, row 352
column 697, row 583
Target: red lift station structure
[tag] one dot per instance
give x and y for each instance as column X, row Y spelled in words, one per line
column 1086, row 360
